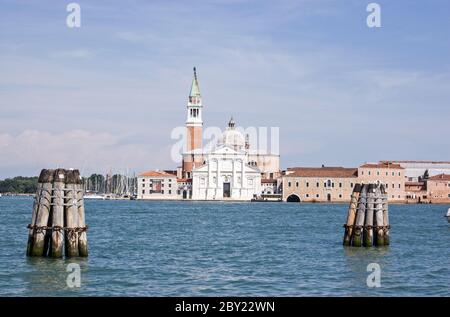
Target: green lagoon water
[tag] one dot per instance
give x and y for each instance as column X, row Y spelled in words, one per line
column 141, row 248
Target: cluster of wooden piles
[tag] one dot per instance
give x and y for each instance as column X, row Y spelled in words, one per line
column 58, row 216
column 368, row 217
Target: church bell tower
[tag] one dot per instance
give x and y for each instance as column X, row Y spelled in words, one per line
column 193, row 156
column 194, row 122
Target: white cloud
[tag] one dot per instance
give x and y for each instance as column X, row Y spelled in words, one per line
column 88, row 151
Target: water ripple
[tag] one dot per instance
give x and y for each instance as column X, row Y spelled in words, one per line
column 140, row 248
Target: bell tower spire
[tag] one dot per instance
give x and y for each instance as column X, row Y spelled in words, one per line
column 194, row 115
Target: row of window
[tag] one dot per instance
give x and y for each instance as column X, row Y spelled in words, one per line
column 157, row 192
column 194, row 113
column 152, row 180
column 329, row 184
column 203, row 180
column 340, row 196
column 378, row 173
column 441, row 196
column 162, row 185
column 318, row 196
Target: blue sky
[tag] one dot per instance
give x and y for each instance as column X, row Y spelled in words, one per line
column 107, row 95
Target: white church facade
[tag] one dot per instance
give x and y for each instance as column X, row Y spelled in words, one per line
column 227, row 171
column 226, row 174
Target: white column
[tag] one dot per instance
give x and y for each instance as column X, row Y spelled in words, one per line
column 208, row 181
column 218, row 173
column 242, row 176
column 234, row 182
column 218, row 186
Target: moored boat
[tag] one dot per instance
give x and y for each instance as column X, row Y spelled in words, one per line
column 94, row 196
column 267, row 198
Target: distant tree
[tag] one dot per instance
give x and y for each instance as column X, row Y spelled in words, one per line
column 95, row 183
column 19, row 185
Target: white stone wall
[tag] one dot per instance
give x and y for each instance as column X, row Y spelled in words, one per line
column 222, row 167
column 169, row 187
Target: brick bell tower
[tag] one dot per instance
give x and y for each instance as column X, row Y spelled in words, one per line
column 194, row 125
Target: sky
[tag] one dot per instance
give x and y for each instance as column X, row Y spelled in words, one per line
column 106, row 96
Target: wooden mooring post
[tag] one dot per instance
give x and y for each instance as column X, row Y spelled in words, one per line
column 351, row 216
column 71, row 216
column 386, row 227
column 379, row 219
column 58, row 213
column 367, row 219
column 360, row 215
column 58, row 216
column 82, row 237
column 42, row 213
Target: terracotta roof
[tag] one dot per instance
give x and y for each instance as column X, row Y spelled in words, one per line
column 414, row 183
column 156, row 174
column 171, row 172
column 425, row 162
column 322, row 172
column 440, row 177
column 382, row 165
column 184, row 180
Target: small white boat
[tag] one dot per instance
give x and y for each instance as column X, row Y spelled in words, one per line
column 94, row 196
column 448, row 215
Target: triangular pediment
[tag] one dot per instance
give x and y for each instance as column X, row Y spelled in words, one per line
column 203, row 168
column 226, row 149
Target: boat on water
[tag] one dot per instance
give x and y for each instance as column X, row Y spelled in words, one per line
column 267, row 198
column 448, row 215
column 107, row 197
column 94, row 196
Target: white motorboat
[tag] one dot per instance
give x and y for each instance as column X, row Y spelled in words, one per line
column 94, row 196
column 448, row 215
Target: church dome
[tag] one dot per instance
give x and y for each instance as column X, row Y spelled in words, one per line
column 232, row 137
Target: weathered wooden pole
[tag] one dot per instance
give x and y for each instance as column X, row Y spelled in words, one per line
column 43, row 212
column 82, row 237
column 58, row 216
column 385, row 216
column 48, row 233
column 71, row 214
column 37, row 201
column 360, row 215
column 368, row 221
column 351, row 216
column 379, row 218
column 58, row 213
